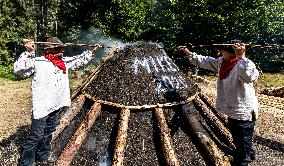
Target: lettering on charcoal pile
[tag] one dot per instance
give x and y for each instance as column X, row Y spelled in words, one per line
column 160, row 64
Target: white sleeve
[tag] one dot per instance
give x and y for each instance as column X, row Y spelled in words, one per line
column 24, row 66
column 247, row 71
column 205, row 62
column 79, row 60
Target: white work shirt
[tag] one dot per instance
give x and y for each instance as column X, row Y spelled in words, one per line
column 50, row 86
column 235, row 94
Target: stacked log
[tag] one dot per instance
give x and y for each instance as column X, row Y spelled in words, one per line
column 69, row 115
column 167, row 144
column 79, row 136
column 210, row 150
column 121, row 138
column 216, row 125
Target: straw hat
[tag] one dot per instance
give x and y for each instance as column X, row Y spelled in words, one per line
column 54, row 41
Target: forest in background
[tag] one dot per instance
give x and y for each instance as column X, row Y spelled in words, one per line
column 170, row 22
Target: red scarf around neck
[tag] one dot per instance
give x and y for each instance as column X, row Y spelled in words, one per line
column 57, row 61
column 226, row 67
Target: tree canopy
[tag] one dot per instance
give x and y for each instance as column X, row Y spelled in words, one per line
column 171, row 22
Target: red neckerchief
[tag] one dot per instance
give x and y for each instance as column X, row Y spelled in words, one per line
column 226, row 67
column 57, row 61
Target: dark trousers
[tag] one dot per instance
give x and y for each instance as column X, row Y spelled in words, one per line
column 242, row 133
column 37, row 146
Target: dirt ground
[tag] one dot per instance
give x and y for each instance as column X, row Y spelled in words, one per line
column 14, row 106
column 15, row 120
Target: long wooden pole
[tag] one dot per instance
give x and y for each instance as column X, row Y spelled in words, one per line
column 121, row 138
column 167, row 145
column 133, row 107
column 189, row 46
column 70, row 44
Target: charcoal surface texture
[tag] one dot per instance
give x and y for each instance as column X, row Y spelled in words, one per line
column 140, row 75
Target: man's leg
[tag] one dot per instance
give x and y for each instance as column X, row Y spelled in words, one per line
column 248, row 140
column 242, row 133
column 32, row 141
column 43, row 150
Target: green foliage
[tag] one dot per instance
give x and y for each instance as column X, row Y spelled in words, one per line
column 13, row 27
column 171, row 22
column 7, row 72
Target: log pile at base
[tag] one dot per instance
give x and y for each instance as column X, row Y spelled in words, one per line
column 277, row 92
column 138, row 108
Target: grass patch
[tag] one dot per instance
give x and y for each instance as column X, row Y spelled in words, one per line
column 272, row 79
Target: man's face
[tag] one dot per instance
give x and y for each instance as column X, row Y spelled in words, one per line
column 226, row 54
column 59, row 51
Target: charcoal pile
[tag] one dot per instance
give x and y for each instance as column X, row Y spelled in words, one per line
column 138, row 108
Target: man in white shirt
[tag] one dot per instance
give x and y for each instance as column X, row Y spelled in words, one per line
column 50, row 92
column 235, row 94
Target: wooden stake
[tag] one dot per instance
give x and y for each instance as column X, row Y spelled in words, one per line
column 121, row 138
column 168, row 148
column 79, row 136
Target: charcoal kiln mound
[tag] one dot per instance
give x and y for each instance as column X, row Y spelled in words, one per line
column 138, row 108
column 138, row 75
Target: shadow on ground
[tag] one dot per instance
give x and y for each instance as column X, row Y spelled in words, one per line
column 11, row 147
column 271, row 144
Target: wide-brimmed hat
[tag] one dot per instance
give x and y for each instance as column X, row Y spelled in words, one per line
column 54, row 41
column 230, row 49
